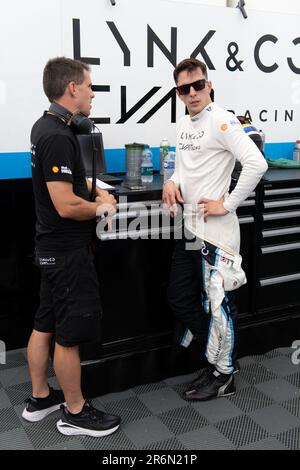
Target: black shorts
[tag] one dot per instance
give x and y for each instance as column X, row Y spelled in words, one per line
column 69, row 297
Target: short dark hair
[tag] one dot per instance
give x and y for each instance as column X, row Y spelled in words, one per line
column 58, row 73
column 189, row 65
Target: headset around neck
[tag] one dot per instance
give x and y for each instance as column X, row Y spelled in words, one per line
column 78, row 122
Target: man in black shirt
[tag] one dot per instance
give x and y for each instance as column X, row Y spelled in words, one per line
column 69, row 295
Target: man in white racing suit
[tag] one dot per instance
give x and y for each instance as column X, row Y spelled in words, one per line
column 209, row 141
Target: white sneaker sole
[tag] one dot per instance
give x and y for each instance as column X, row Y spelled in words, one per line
column 71, row 430
column 222, row 390
column 225, row 395
column 35, row 416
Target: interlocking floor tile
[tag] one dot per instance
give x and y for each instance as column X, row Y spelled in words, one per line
column 116, row 441
column 278, row 390
column 4, row 399
column 256, row 373
column 241, row 430
column 14, row 359
column 262, row 415
column 73, row 443
column 290, row 438
column 293, row 406
column 14, row 376
column 18, row 393
column 285, row 351
column 41, row 438
column 217, row 410
column 180, row 388
column 16, row 439
column 181, row 379
column 149, row 387
column 9, row 419
column 281, row 366
column 265, row 444
column 130, row 409
column 182, row 420
column 267, row 355
column 147, row 431
column 207, row 438
column 162, row 400
column 274, row 419
column 249, row 399
column 245, row 361
column 116, row 396
column 240, row 382
column 294, row 379
column 169, row 444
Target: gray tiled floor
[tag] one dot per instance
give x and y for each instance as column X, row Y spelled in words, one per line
column 264, row 414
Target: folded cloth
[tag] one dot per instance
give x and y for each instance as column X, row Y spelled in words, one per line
column 282, row 163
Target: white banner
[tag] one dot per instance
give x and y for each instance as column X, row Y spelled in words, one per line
column 254, row 64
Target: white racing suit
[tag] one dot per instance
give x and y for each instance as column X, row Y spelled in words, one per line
column 207, row 147
column 220, row 274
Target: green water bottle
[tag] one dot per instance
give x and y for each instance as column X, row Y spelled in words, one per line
column 164, row 149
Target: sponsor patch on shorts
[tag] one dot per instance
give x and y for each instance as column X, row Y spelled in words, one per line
column 47, row 261
column 65, row 169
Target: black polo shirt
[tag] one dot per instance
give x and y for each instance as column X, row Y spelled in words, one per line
column 55, row 156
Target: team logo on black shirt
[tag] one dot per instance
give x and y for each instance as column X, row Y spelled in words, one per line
column 55, row 169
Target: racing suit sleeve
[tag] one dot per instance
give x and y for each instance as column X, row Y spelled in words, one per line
column 231, row 134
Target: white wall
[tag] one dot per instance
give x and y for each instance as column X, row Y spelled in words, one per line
column 287, row 6
column 220, row 3
column 23, row 59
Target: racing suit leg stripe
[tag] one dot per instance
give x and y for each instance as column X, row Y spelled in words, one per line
column 231, row 343
column 215, row 260
column 226, row 352
column 232, row 336
column 219, row 345
column 205, row 282
column 224, row 362
column 211, row 330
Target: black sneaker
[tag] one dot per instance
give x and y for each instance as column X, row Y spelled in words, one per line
column 201, row 378
column 205, row 370
column 89, row 422
column 38, row 408
column 213, row 385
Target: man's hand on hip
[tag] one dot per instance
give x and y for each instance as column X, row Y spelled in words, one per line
column 212, row 207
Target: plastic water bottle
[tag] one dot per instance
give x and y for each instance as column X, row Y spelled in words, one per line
column 296, row 154
column 169, row 165
column 164, row 149
column 147, row 166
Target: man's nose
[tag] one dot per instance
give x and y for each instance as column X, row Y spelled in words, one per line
column 192, row 90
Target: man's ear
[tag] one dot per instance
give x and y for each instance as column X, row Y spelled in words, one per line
column 71, row 87
column 209, row 84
